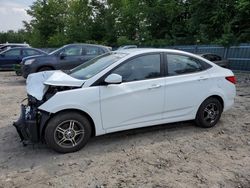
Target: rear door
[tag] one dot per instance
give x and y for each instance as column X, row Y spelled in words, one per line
column 187, row 85
column 11, row 57
column 90, row 52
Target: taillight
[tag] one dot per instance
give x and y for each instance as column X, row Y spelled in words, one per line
column 231, row 79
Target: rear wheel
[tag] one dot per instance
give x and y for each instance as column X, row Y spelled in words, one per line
column 67, row 132
column 209, row 113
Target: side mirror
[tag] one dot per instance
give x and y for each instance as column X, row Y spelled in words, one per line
column 113, row 79
column 2, row 55
column 62, row 55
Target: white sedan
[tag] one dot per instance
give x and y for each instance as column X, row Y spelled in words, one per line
column 123, row 90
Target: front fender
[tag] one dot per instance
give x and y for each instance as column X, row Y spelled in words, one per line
column 83, row 99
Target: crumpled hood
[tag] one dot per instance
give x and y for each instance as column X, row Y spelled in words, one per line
column 38, row 83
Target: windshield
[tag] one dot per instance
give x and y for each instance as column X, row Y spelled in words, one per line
column 56, row 51
column 96, row 65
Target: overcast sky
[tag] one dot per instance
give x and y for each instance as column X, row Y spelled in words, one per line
column 12, row 13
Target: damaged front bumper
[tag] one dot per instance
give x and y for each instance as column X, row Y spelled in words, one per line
column 31, row 123
column 27, row 125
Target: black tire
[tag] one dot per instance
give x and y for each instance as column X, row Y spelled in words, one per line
column 209, row 113
column 44, row 69
column 18, row 73
column 67, row 132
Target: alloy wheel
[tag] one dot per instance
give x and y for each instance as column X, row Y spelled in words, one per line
column 210, row 113
column 69, row 133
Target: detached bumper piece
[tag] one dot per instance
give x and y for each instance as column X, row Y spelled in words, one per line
column 27, row 126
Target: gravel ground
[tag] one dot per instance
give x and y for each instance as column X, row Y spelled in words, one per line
column 173, row 155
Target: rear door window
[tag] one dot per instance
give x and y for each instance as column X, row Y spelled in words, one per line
column 13, row 53
column 91, row 50
column 30, row 52
column 181, row 64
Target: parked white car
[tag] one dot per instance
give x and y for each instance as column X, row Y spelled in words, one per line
column 123, row 90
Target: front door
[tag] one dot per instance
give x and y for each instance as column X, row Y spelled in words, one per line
column 10, row 58
column 70, row 57
column 139, row 98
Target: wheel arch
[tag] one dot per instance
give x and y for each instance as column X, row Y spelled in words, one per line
column 83, row 113
column 199, row 119
column 219, row 98
column 43, row 66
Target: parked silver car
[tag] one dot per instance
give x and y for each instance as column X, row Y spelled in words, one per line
column 6, row 46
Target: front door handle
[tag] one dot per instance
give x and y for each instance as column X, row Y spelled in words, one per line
column 155, row 86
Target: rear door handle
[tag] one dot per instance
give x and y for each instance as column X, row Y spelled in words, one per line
column 155, row 86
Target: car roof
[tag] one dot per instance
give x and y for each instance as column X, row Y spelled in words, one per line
column 86, row 44
column 23, row 48
column 135, row 51
column 14, row 44
column 128, row 45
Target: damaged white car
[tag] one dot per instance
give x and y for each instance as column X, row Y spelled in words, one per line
column 123, row 90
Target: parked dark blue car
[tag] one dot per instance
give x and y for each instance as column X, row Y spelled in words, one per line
column 64, row 58
column 13, row 56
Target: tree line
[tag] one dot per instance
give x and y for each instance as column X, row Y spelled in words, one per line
column 155, row 23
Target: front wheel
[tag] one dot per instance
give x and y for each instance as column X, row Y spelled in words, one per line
column 18, row 73
column 67, row 132
column 209, row 113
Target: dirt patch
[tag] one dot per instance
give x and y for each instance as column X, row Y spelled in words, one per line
column 172, row 155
